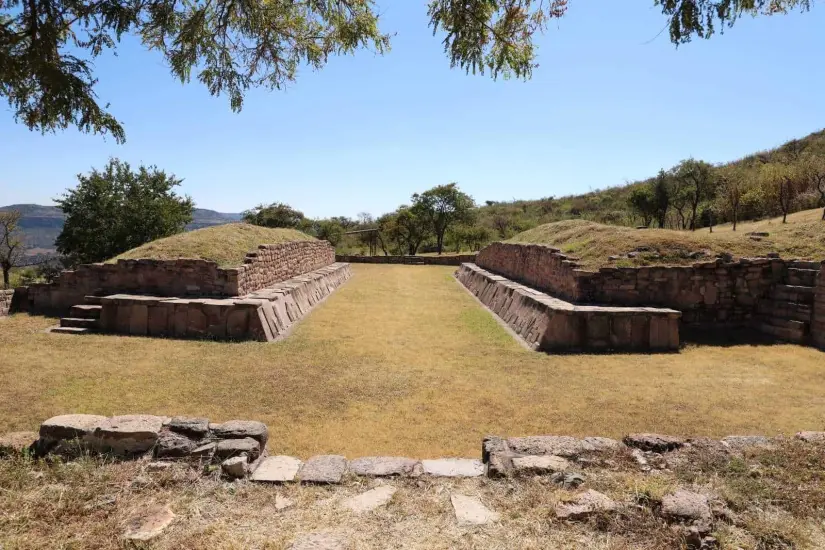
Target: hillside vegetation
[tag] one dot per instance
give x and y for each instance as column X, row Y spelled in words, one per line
column 225, row 244
column 802, row 237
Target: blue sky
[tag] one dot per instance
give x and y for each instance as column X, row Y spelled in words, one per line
column 609, row 103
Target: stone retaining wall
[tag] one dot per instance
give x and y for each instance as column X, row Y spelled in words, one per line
column 541, row 267
column 267, row 265
column 264, row 315
column 551, row 324
column 5, row 301
column 818, row 318
column 413, row 260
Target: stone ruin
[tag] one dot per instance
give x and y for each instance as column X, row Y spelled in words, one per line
column 553, row 304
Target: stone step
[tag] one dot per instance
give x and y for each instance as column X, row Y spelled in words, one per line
column 785, row 310
column 802, row 277
column 78, row 322
column 793, row 293
column 86, row 311
column 71, row 330
column 801, row 264
column 795, row 336
column 93, row 300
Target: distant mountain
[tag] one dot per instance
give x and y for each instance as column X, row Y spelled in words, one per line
column 42, row 224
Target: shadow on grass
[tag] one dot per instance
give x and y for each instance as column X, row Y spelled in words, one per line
column 726, row 337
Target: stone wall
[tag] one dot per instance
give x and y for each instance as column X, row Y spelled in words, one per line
column 550, row 324
column 410, row 260
column 269, row 264
column 541, row 267
column 5, row 301
column 818, row 318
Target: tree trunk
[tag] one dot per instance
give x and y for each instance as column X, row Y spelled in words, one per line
column 6, row 270
column 735, row 217
column 439, row 242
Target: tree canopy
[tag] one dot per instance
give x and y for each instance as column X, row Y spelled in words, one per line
column 11, row 243
column 47, row 47
column 277, row 214
column 117, row 209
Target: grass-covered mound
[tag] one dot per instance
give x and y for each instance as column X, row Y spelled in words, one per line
column 802, row 237
column 226, row 244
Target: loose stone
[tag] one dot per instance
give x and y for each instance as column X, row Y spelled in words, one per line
column 453, row 467
column 811, row 437
column 189, row 426
column 149, row 524
column 16, row 442
column 382, row 466
column 653, row 442
column 372, row 499
column 470, row 511
column 323, row 469
column 546, row 464
column 233, row 447
column 584, row 505
column 239, row 429
column 277, row 469
column 129, row 434
column 235, row 467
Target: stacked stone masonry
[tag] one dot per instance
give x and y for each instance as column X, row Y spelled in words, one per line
column 269, row 264
column 264, row 315
column 409, row 260
column 550, row 324
column 818, row 320
column 5, row 301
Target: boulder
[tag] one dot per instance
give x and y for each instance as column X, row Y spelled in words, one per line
column 197, row 427
column 70, row 426
column 277, row 469
column 233, row 447
column 129, row 434
column 240, row 429
column 235, row 467
column 382, row 466
column 16, row 442
column 323, row 469
column 653, row 442
column 583, row 505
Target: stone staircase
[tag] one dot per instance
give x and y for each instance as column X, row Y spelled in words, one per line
column 786, row 312
column 83, row 319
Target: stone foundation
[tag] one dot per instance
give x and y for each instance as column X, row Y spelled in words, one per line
column 409, row 260
column 265, row 315
column 5, row 301
column 550, row 324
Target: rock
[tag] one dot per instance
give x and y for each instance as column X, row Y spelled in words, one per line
column 613, row 258
column 277, row 469
column 282, row 503
column 653, row 442
column 568, row 480
column 174, row 445
column 697, row 254
column 811, row 437
column 233, row 447
column 70, row 426
column 318, row 541
column 739, row 442
column 545, row 464
column 561, row 445
column 381, row 466
column 372, row 499
column 686, row 506
column 197, row 427
column 149, row 524
column 158, row 466
column 470, row 511
column 772, row 254
column 235, row 467
column 16, row 442
column 453, row 467
column 129, row 434
column 492, row 444
column 204, row 452
column 584, row 505
column 499, row 465
column 323, row 469
column 239, row 429
column 632, row 254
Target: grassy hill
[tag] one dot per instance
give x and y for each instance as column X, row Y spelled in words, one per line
column 802, row 237
column 226, row 244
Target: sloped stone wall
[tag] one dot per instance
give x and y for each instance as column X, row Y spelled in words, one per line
column 542, row 267
column 267, row 265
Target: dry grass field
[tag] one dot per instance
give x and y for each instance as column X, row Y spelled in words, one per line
column 802, row 237
column 402, row 360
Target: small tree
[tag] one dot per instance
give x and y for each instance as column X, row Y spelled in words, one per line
column 441, row 207
column 330, row 230
column 662, row 194
column 276, row 215
column 697, row 179
column 11, row 245
column 117, row 209
column 783, row 183
column 731, row 190
column 641, row 201
column 412, row 228
column 814, row 167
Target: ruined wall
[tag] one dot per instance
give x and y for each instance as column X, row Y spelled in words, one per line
column 268, row 265
column 818, row 318
column 541, row 267
column 5, row 301
column 414, row 260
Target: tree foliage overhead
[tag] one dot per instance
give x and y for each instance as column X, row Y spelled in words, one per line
column 117, row 209
column 47, row 46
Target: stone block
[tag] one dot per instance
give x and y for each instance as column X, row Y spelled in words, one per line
column 226, row 448
column 385, row 466
column 453, row 467
column 235, row 467
column 237, row 323
column 158, row 321
column 128, row 434
column 139, row 320
column 237, row 429
column 277, row 469
column 190, row 426
column 70, row 426
column 369, row 501
column 323, row 469
column 196, row 322
column 470, row 511
column 539, row 465
column 653, row 442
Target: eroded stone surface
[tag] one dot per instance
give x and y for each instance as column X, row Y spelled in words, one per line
column 738, row 442
column 372, row 499
column 561, row 445
column 189, row 426
column 453, row 467
column 584, row 505
column 204, row 452
column 686, row 505
column 811, row 437
column 277, row 469
column 470, row 511
column 233, row 447
column 282, row 503
column 544, row 464
column 323, row 469
column 380, row 466
column 70, row 426
column 128, row 434
column 239, row 429
column 318, row 541
column 15, row 442
column 656, row 443
column 149, row 524
column 173, row 445
column 235, row 467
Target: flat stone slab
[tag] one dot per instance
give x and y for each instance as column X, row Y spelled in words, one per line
column 470, row 511
column 561, row 445
column 811, row 437
column 318, row 541
column 382, row 466
column 453, row 467
column 369, row 501
column 149, row 524
column 738, row 442
column 686, row 505
column 282, row 503
column 129, row 434
column 189, row 426
column 70, row 426
column 656, row 443
column 238, row 429
column 16, row 442
column 233, row 447
column 584, row 505
column 323, row 469
column 277, row 469
column 543, row 464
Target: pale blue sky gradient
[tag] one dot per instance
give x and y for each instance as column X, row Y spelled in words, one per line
column 609, row 103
